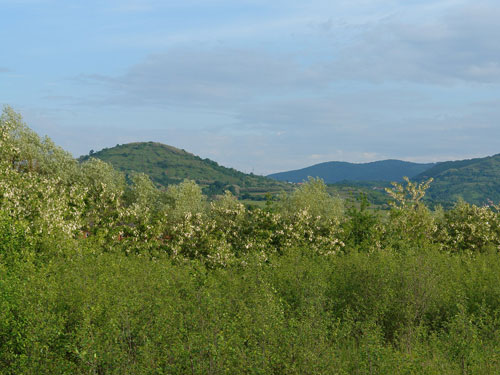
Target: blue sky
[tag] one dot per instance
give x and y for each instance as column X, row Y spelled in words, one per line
column 262, row 86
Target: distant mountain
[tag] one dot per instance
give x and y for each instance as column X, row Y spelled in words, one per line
column 336, row 171
column 169, row 165
column 474, row 180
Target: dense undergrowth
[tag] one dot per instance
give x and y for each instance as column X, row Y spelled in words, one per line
column 98, row 277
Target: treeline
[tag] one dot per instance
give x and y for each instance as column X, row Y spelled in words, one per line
column 100, row 276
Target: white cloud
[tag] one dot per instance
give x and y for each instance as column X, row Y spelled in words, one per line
column 460, row 45
column 217, row 77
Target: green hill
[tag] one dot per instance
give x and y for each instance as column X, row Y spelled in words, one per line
column 169, row 165
column 335, row 171
column 474, row 180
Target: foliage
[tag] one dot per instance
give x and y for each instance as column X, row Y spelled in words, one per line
column 36, row 185
column 360, row 225
column 410, row 220
column 97, row 276
column 24, row 150
column 103, row 198
column 373, row 313
column 471, row 228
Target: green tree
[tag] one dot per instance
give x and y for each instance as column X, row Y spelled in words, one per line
column 360, row 225
column 25, row 151
column 313, row 197
column 411, row 223
column 186, row 197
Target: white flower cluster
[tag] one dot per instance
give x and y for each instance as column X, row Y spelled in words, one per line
column 44, row 202
column 471, row 228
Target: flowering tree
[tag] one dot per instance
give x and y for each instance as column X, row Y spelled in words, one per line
column 36, row 180
column 471, row 228
column 411, row 223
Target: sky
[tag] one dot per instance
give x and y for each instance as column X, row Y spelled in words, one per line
column 260, row 86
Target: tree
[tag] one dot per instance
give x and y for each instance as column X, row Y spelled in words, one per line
column 313, row 197
column 25, row 151
column 186, row 198
column 411, row 223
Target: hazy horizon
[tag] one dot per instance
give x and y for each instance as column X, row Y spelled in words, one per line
column 259, row 86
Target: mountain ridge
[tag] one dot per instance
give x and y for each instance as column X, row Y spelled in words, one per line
column 337, row 171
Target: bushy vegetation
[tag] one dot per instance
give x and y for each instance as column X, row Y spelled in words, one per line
column 98, row 276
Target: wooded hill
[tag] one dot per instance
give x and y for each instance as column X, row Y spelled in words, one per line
column 169, row 165
column 476, row 181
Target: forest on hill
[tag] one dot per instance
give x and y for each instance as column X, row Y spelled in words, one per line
column 101, row 276
column 473, row 180
column 166, row 165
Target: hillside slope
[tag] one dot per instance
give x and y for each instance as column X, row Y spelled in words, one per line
column 474, row 180
column 335, row 171
column 169, row 165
